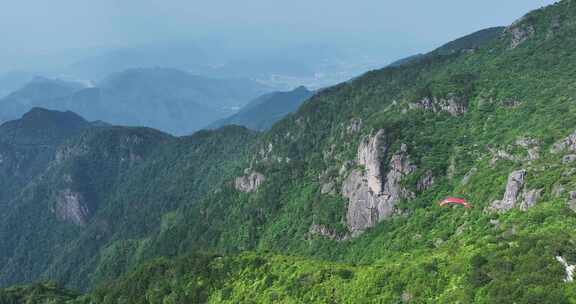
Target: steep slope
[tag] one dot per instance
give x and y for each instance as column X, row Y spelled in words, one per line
column 263, row 112
column 468, row 43
column 95, row 178
column 27, row 144
column 354, row 178
column 471, row 42
column 356, row 174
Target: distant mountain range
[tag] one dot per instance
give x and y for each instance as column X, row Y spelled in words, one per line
column 13, row 80
column 281, row 67
column 163, row 98
column 264, row 111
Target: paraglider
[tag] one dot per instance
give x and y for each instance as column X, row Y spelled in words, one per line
column 455, row 201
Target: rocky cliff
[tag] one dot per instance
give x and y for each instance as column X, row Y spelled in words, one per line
column 373, row 191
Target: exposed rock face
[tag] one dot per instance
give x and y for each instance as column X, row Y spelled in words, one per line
column 526, row 142
column 68, row 152
column 519, row 32
column 512, row 103
column 557, row 190
column 568, row 143
column 249, row 182
column 425, row 182
column 128, row 144
column 326, row 232
column 452, row 104
column 363, row 204
column 451, row 170
column 372, row 197
column 72, row 206
column 513, row 187
column 533, row 153
column 500, row 155
column 572, row 201
column 570, row 269
column 406, row 297
column 555, row 26
column 570, row 158
column 530, row 198
column 468, row 176
column 327, row 188
column 354, row 126
column 370, row 153
column 532, row 147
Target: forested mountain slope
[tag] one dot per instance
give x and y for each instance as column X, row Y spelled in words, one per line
column 261, row 113
column 338, row 203
column 27, row 144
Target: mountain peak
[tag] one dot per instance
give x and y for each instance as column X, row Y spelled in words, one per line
column 301, row 89
column 39, row 113
column 41, row 125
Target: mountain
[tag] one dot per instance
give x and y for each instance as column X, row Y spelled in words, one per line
column 406, row 60
column 337, row 203
column 13, row 80
column 280, row 66
column 177, row 55
column 34, row 93
column 78, row 194
column 167, row 99
column 261, row 113
column 471, row 42
column 27, row 144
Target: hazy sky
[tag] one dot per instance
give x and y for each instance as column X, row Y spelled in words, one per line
column 29, row 27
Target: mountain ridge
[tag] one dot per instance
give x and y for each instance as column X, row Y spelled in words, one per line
column 168, row 99
column 261, row 113
column 348, row 187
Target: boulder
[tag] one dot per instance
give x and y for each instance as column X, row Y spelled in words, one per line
column 513, row 188
column 568, row 143
column 530, row 198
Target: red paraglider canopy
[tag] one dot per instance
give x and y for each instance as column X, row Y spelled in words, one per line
column 454, row 201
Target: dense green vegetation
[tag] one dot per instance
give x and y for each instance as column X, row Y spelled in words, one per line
column 178, row 198
column 41, row 293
